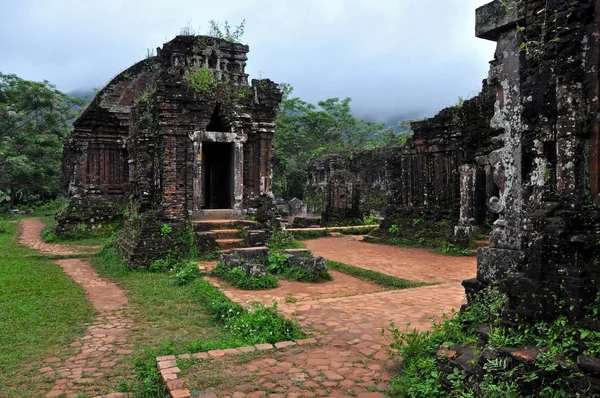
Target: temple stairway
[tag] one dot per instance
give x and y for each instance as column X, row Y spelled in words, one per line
column 223, row 230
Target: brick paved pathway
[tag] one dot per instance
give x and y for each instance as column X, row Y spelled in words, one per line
column 342, row 285
column 349, row 357
column 94, row 356
column 414, row 264
column 30, row 236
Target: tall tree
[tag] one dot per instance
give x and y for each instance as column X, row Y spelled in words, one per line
column 304, row 130
column 35, row 118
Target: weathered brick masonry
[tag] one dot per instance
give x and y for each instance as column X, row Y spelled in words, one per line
column 544, row 250
column 441, row 174
column 171, row 152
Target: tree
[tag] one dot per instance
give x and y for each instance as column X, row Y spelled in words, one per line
column 304, row 130
column 34, row 121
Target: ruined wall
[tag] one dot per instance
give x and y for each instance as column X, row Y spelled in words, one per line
column 416, row 186
column 140, row 142
column 544, row 252
column 544, row 245
column 95, row 169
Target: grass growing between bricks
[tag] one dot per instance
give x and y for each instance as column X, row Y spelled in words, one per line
column 387, row 281
column 42, row 310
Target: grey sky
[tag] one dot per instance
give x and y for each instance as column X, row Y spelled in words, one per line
column 395, row 58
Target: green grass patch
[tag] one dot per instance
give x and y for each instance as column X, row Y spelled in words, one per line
column 387, row 281
column 171, row 318
column 42, row 310
column 257, row 325
column 357, row 231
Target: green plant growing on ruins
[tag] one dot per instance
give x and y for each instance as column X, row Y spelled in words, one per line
column 277, row 263
column 202, row 79
column 226, row 33
column 237, row 278
column 280, row 240
column 165, row 230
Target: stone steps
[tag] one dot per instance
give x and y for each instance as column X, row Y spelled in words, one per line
column 227, row 233
column 221, row 224
column 229, row 244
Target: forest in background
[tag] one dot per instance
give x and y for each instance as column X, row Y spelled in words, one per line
column 36, row 118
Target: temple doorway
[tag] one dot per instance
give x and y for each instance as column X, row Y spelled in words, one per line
column 217, row 175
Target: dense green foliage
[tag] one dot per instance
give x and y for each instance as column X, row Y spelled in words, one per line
column 237, row 277
column 560, row 343
column 305, row 130
column 253, row 326
column 280, row 240
column 34, row 121
column 41, row 310
column 279, row 264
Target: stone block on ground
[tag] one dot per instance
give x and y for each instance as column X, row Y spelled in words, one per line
column 255, row 270
column 257, row 238
column 308, row 264
column 206, row 240
column 296, row 252
column 230, row 261
column 255, row 254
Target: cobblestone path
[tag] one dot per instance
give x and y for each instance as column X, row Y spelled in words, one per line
column 92, row 360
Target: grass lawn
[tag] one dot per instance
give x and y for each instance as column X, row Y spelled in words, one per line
column 41, row 311
column 168, row 319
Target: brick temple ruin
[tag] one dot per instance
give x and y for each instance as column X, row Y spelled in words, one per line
column 441, row 175
column 538, row 160
column 177, row 137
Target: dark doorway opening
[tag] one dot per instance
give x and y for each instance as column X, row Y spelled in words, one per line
column 218, row 122
column 217, row 175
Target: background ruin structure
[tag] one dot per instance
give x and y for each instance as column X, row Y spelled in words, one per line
column 179, row 136
column 441, row 175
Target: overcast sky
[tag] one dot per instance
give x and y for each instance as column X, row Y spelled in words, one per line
column 394, row 58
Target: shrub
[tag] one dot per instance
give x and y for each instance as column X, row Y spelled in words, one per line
column 254, row 326
column 48, row 235
column 185, row 272
column 201, row 79
column 237, row 277
column 161, row 265
column 280, row 240
column 277, row 263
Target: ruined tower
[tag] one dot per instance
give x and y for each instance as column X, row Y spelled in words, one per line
column 177, row 137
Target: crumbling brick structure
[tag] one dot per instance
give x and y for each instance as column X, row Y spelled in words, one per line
column 544, row 250
column 179, row 136
column 544, row 246
column 440, row 176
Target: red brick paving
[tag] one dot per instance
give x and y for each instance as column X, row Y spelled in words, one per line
column 30, row 236
column 105, row 342
column 350, row 358
column 414, row 264
column 341, row 285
